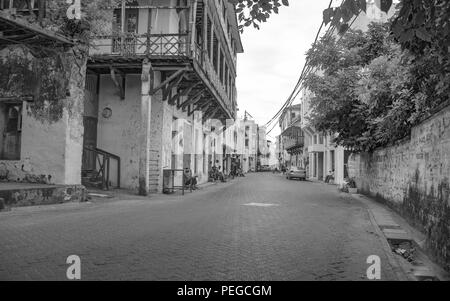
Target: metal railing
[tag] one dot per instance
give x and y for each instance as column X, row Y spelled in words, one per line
column 103, row 163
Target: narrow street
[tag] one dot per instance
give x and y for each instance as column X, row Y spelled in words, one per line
column 311, row 232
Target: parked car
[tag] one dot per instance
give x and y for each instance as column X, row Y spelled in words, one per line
column 296, row 173
column 264, row 168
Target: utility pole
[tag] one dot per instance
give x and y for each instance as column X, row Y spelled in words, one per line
column 247, row 114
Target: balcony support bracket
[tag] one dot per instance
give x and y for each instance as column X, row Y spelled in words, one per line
column 168, row 81
column 192, row 100
column 185, row 92
column 119, row 85
column 211, row 113
column 167, row 91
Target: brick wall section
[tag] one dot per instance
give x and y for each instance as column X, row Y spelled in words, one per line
column 413, row 178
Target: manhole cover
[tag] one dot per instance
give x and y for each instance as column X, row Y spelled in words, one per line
column 261, row 205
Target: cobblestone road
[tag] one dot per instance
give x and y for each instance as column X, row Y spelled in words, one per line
column 311, row 234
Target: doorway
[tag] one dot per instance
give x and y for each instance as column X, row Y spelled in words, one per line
column 11, row 130
column 130, row 26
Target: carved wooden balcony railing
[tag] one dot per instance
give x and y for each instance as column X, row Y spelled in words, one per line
column 160, row 46
column 140, row 44
column 290, row 143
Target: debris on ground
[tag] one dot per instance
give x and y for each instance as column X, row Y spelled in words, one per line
column 405, row 249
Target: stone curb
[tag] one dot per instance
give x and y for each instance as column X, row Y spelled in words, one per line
column 399, row 271
column 387, row 227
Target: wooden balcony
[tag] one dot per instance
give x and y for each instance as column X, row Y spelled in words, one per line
column 292, row 143
column 132, row 45
column 125, row 52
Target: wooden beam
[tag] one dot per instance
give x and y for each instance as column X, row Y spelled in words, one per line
column 205, row 28
column 209, row 110
column 201, row 106
column 192, row 21
column 168, row 80
column 185, row 92
column 211, row 113
column 41, row 5
column 122, row 17
column 197, row 105
column 192, row 101
column 173, row 84
column 119, row 85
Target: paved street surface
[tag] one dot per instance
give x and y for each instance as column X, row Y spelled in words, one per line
column 311, row 233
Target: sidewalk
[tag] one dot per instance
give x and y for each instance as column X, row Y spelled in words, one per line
column 398, row 232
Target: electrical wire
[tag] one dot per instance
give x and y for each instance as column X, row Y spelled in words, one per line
column 299, row 87
column 301, row 78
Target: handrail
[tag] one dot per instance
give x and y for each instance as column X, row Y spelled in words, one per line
column 103, row 152
column 105, row 165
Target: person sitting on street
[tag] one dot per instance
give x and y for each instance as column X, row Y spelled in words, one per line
column 240, row 173
column 329, row 177
column 190, row 180
column 213, row 173
column 220, row 175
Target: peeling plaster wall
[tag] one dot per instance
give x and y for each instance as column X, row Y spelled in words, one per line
column 119, row 133
column 52, row 127
column 42, row 151
column 413, row 177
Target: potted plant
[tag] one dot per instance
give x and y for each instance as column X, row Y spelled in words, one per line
column 352, row 186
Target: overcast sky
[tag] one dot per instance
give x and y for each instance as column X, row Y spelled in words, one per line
column 274, row 56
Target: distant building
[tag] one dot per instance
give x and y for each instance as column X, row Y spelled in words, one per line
column 291, row 140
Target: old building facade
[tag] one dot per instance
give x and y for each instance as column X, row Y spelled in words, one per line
column 41, row 101
column 291, row 140
column 155, row 93
column 160, row 90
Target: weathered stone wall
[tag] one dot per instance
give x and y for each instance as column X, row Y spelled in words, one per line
column 52, row 125
column 413, row 177
column 41, row 195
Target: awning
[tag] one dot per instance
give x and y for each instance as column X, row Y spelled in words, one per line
column 14, row 30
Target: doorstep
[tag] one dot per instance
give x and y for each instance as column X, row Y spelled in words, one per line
column 14, row 194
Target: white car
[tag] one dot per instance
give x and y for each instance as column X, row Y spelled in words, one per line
column 296, row 173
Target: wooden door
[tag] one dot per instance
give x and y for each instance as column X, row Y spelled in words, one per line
column 12, row 133
column 89, row 141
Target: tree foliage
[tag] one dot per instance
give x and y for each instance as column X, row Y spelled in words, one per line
column 254, row 12
column 96, row 17
column 370, row 92
column 417, row 25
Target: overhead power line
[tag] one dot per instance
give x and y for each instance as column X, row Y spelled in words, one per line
column 307, row 69
column 300, row 80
